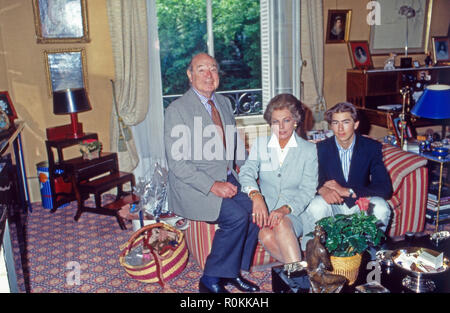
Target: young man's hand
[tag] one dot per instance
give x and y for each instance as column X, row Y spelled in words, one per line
column 330, row 196
column 342, row 191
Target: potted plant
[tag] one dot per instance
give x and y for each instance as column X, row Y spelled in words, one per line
column 348, row 236
column 90, row 148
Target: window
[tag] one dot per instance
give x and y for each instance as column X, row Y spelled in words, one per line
column 245, row 37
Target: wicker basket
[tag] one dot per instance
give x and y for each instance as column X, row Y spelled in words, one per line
column 160, row 268
column 347, row 266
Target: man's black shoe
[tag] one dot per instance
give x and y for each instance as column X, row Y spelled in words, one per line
column 243, row 284
column 206, row 287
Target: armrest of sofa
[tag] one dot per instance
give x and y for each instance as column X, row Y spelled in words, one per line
column 400, row 163
column 409, row 178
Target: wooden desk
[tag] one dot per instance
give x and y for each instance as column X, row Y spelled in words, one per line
column 368, row 89
column 385, row 119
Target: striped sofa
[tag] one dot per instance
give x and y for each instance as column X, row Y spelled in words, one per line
column 409, row 177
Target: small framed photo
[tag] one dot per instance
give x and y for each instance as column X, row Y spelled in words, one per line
column 61, row 21
column 416, row 63
column 360, row 54
column 338, row 26
column 440, row 50
column 66, row 68
column 6, row 106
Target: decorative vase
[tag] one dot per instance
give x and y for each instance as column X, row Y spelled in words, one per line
column 347, row 266
column 91, row 155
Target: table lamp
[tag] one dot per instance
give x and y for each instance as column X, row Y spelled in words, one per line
column 69, row 101
column 435, row 104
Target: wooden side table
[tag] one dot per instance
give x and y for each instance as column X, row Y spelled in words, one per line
column 89, row 177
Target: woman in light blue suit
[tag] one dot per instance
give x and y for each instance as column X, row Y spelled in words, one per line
column 286, row 166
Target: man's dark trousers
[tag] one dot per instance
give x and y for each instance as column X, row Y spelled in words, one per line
column 236, row 238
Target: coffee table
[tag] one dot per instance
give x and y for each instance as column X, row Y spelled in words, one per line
column 391, row 277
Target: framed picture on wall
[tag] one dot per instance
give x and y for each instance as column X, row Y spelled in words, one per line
column 360, row 54
column 61, row 21
column 7, row 106
column 401, row 22
column 441, row 54
column 338, row 26
column 66, row 68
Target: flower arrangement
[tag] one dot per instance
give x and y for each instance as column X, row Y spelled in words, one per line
column 352, row 234
column 90, row 148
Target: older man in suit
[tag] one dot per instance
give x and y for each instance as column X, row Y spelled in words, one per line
column 203, row 183
column 350, row 167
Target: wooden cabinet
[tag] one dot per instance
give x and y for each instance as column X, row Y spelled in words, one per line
column 368, row 89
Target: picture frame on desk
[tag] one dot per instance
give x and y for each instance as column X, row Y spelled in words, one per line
column 441, row 54
column 7, row 106
column 397, row 129
column 360, row 54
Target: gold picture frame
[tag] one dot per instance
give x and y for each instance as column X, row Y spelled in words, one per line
column 61, row 21
column 338, row 26
column 390, row 35
column 66, row 68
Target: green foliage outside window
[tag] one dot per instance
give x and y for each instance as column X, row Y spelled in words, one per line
column 182, row 33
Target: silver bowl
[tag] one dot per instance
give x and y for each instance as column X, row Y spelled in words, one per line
column 415, row 280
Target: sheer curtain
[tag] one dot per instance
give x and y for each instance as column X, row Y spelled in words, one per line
column 138, row 122
column 280, row 48
column 312, row 51
column 128, row 28
column 149, row 134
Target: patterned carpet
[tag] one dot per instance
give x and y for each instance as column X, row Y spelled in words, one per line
column 56, row 245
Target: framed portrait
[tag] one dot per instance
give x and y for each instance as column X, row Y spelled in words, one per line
column 360, row 54
column 66, row 68
column 338, row 26
column 61, row 21
column 440, row 50
column 401, row 22
column 6, row 106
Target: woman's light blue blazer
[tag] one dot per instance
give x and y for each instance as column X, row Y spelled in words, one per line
column 294, row 183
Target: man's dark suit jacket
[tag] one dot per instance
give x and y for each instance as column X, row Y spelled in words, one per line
column 367, row 176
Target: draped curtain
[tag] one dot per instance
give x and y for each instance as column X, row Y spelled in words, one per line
column 128, row 29
column 149, row 134
column 312, row 43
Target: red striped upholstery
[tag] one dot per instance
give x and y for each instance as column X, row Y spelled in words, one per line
column 410, row 183
column 199, row 237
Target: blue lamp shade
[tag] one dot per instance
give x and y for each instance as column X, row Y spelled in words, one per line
column 434, row 103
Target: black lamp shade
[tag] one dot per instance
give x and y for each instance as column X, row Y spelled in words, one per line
column 68, row 101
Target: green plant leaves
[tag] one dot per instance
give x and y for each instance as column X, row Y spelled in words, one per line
column 348, row 235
